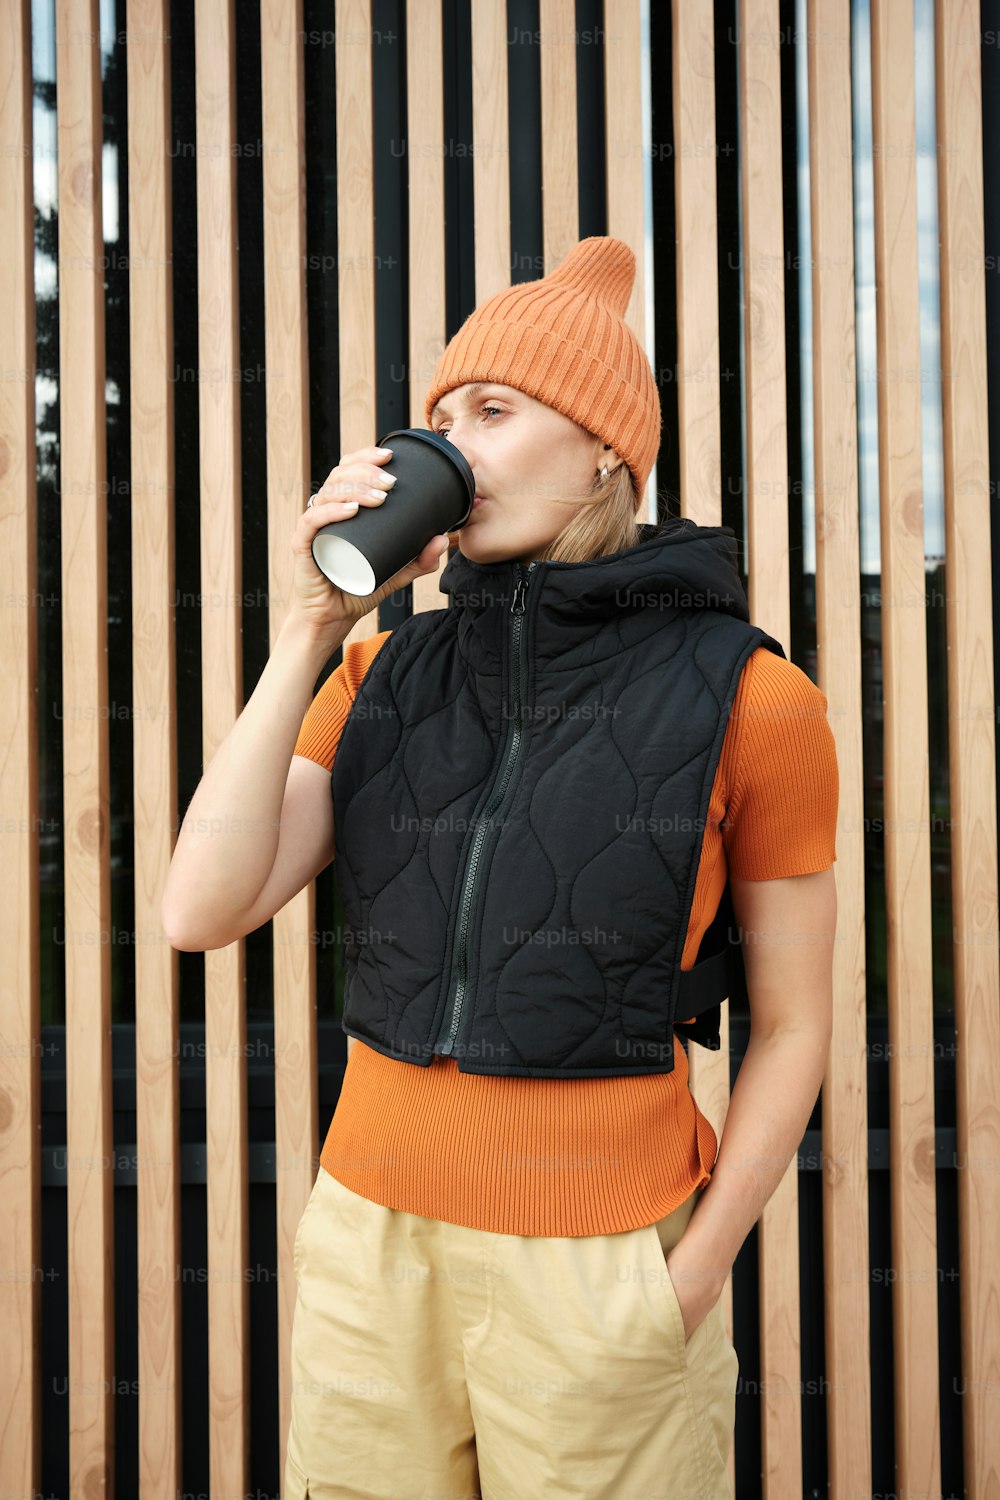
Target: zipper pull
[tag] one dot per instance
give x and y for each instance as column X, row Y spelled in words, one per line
column 517, row 602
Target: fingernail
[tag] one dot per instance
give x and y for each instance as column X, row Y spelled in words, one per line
column 390, row 479
column 383, row 450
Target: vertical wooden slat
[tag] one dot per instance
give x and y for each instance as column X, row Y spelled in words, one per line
column 491, row 172
column 356, row 252
column 90, row 1165
column 762, row 260
column 20, row 1139
column 296, row 1097
column 907, row 840
column 356, row 244
column 762, row 251
column 560, row 196
column 972, row 747
column 698, row 375
column 425, row 206
column 222, row 703
column 762, row 256
column 698, row 372
column 154, row 729
column 838, row 638
column 623, row 138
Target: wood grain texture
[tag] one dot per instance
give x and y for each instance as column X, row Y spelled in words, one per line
column 157, row 1057
column 623, row 145
column 560, row 147
column 222, row 703
column 356, row 243
column 491, row 147
column 20, row 1018
column 428, row 334
column 86, row 787
column 697, row 291
column 971, row 727
column 838, row 650
column 766, row 478
column 296, row 1072
column 698, row 408
column 905, row 741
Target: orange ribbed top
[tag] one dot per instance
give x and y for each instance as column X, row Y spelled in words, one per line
column 580, row 1156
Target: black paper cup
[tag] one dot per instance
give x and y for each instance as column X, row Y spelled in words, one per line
column 433, row 494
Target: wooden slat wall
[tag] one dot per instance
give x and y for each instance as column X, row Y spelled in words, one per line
column 356, row 243
column 489, row 136
column 766, row 480
column 20, row 1101
column 907, row 834
column 86, row 787
column 697, row 273
column 560, row 194
column 838, row 641
column 157, row 1058
column 356, row 253
column 622, row 137
column 698, row 376
column 86, row 781
column 428, row 332
column 220, row 502
column 288, row 487
column 972, row 738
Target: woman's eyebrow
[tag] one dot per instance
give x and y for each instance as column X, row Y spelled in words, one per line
column 472, row 394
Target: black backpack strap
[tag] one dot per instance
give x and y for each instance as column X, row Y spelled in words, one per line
column 718, row 975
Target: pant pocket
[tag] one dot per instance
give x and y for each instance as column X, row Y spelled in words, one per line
column 659, row 1240
column 297, row 1242
column 666, row 1296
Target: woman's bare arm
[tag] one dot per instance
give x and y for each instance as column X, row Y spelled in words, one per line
column 305, row 847
column 256, row 822
column 788, row 929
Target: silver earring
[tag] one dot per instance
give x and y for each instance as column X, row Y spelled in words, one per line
column 604, row 472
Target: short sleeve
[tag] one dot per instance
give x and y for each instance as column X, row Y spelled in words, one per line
column 320, row 731
column 781, row 773
column 325, row 718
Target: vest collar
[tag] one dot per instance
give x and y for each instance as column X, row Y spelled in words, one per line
column 675, row 565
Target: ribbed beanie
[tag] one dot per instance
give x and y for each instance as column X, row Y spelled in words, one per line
column 563, row 339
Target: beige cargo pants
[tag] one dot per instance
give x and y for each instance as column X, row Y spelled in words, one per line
column 436, row 1362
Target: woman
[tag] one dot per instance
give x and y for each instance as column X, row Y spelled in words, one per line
column 545, row 796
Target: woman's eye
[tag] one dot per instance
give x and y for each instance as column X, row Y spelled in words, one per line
column 443, row 431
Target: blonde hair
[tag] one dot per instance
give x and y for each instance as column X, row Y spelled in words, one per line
column 603, row 522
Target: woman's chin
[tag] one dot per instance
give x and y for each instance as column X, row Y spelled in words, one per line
column 478, row 547
column 491, row 541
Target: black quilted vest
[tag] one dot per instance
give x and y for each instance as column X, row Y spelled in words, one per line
column 520, row 794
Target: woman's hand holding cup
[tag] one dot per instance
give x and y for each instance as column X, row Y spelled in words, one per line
column 357, row 480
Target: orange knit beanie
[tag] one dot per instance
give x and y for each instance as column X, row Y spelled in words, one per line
column 564, row 340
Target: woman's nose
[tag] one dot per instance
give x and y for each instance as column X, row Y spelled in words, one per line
column 464, row 448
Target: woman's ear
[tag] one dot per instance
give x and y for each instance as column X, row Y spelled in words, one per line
column 606, row 456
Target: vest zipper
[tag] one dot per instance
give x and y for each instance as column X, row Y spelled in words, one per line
column 519, row 660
